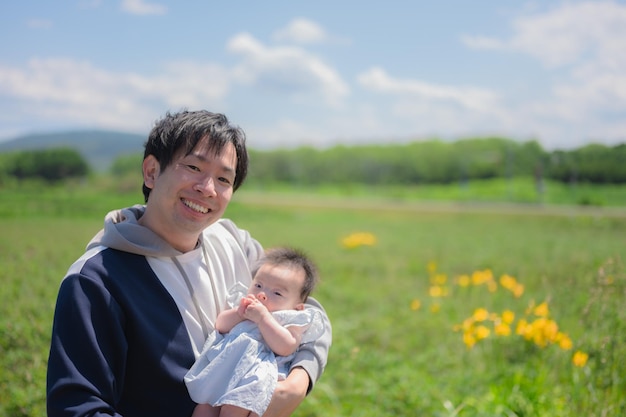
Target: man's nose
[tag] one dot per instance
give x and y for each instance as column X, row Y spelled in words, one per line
column 206, row 186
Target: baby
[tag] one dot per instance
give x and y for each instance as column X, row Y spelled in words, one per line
column 255, row 341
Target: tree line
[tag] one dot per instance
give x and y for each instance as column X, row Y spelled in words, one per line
column 424, row 162
column 436, row 161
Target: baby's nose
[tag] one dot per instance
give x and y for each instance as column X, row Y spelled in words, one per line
column 261, row 296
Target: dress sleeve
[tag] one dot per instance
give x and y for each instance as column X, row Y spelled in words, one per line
column 309, row 318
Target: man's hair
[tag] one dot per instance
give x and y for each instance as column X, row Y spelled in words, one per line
column 181, row 132
column 292, row 258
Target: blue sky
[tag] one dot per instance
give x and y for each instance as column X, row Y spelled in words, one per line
column 320, row 72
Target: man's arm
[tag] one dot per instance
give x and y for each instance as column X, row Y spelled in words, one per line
column 77, row 377
column 288, row 394
column 313, row 356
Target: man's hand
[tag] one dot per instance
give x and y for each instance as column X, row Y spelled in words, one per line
column 288, row 394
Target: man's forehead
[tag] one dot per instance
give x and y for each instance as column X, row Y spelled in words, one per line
column 209, row 148
column 205, row 153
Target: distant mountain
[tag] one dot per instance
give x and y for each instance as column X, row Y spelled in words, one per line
column 100, row 148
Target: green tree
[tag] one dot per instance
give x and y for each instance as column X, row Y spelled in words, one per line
column 592, row 163
column 49, row 164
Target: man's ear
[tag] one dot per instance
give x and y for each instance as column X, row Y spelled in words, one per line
column 151, row 169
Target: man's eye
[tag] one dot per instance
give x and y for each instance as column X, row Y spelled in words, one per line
column 225, row 180
column 193, row 167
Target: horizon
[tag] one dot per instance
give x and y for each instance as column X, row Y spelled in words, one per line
column 143, row 137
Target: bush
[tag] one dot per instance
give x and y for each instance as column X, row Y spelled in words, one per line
column 49, row 164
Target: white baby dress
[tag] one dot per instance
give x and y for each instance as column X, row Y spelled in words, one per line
column 238, row 368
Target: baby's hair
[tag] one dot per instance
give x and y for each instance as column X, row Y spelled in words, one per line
column 293, row 258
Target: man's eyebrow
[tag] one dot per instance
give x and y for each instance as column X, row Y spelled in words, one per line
column 204, row 159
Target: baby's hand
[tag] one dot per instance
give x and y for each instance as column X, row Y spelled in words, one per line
column 243, row 304
column 255, row 311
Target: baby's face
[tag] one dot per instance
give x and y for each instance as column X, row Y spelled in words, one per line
column 278, row 287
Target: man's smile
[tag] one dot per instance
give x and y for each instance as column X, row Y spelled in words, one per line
column 194, row 206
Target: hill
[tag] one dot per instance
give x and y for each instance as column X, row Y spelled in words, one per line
column 100, row 148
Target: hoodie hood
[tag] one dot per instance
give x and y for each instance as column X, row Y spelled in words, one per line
column 122, row 231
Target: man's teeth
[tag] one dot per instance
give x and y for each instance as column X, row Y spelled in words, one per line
column 196, row 207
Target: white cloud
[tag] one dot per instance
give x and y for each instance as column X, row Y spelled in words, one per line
column 301, row 31
column 82, row 93
column 572, row 33
column 141, row 7
column 286, row 70
column 477, row 99
column 581, row 45
column 564, row 35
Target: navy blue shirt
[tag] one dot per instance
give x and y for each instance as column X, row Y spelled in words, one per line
column 119, row 345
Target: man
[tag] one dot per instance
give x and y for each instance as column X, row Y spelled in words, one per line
column 133, row 312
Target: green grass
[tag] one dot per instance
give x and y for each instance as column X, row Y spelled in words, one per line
column 519, row 190
column 386, row 358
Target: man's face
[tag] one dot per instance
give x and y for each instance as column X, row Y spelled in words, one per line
column 189, row 195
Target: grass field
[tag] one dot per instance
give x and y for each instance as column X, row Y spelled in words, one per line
column 407, row 297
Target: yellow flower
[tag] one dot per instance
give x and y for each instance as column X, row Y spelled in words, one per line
column 469, row 340
column 507, row 281
column 439, row 279
column 480, row 314
column 467, row 324
column 415, row 304
column 463, row 280
column 524, row 329
column 580, row 358
column 358, row 239
column 508, row 316
column 518, row 290
column 543, row 331
column 436, row 291
column 502, row 329
column 431, row 267
column 541, row 310
column 482, row 332
column 564, row 341
column 481, row 277
column 435, row 308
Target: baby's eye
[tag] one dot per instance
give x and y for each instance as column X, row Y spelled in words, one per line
column 278, row 293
